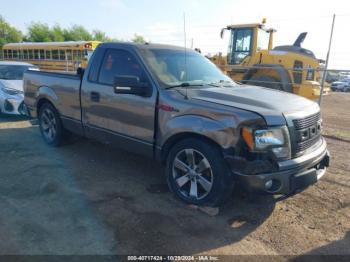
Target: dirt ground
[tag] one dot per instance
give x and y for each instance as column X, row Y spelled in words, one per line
column 88, row 198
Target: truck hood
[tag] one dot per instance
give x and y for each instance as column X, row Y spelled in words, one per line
column 272, row 105
column 12, row 84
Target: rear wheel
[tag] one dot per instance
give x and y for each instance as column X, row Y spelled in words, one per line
column 198, row 174
column 265, row 81
column 50, row 124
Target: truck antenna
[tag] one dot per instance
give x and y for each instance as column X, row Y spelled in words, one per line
column 185, row 40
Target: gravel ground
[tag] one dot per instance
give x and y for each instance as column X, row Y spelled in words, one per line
column 88, row 198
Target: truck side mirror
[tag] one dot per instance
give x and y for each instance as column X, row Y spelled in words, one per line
column 80, row 72
column 124, row 84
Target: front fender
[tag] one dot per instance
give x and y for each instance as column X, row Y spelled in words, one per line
column 220, row 132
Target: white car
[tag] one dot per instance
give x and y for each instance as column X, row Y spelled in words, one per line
column 11, row 86
column 343, row 85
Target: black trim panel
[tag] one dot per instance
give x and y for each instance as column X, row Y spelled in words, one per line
column 122, row 141
column 73, row 125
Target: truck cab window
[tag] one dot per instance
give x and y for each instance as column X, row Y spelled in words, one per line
column 119, row 62
column 241, row 45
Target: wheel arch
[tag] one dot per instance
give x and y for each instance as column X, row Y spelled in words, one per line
column 173, row 140
column 46, row 94
column 41, row 102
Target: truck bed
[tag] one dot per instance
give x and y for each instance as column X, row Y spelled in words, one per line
column 65, row 88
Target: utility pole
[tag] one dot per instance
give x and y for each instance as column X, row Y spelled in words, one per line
column 185, row 42
column 327, row 59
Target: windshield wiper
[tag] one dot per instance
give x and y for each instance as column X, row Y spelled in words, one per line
column 221, row 83
column 185, row 84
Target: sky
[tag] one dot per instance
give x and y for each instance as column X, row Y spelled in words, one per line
column 162, row 21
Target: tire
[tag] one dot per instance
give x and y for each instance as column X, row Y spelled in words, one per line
column 265, row 81
column 208, row 182
column 50, row 124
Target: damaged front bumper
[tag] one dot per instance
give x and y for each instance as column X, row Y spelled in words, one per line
column 291, row 176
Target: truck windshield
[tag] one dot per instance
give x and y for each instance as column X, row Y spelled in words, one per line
column 179, row 68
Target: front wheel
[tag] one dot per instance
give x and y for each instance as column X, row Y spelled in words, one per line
column 198, row 174
column 50, row 124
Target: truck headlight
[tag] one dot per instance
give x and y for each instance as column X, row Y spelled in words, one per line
column 271, row 139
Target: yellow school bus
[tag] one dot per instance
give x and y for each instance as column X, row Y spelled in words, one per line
column 51, row 56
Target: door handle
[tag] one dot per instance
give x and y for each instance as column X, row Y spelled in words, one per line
column 95, row 96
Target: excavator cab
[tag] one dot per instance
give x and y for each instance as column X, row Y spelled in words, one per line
column 246, row 40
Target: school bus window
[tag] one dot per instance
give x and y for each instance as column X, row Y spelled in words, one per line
column 55, row 55
column 14, row 54
column 62, row 55
column 69, row 55
column 30, row 54
column 48, row 54
column 36, row 54
column 25, row 54
column 76, row 55
column 42, row 54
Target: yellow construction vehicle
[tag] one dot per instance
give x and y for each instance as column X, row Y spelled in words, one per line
column 251, row 59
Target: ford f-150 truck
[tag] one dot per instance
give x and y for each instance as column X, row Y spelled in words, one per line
column 175, row 106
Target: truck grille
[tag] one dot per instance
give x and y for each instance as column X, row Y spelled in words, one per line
column 306, row 122
column 302, row 146
column 307, row 132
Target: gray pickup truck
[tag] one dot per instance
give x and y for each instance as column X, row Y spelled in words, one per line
column 173, row 105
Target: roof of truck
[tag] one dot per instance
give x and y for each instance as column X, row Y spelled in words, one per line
column 142, row 46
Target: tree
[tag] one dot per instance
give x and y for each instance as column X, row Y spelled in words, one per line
column 76, row 33
column 39, row 32
column 9, row 34
column 138, row 39
column 57, row 34
column 99, row 35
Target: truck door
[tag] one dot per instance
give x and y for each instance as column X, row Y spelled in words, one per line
column 123, row 119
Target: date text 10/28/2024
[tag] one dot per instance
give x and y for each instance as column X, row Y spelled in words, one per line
column 173, row 258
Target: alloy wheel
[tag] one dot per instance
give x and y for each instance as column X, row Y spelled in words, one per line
column 49, row 125
column 192, row 174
